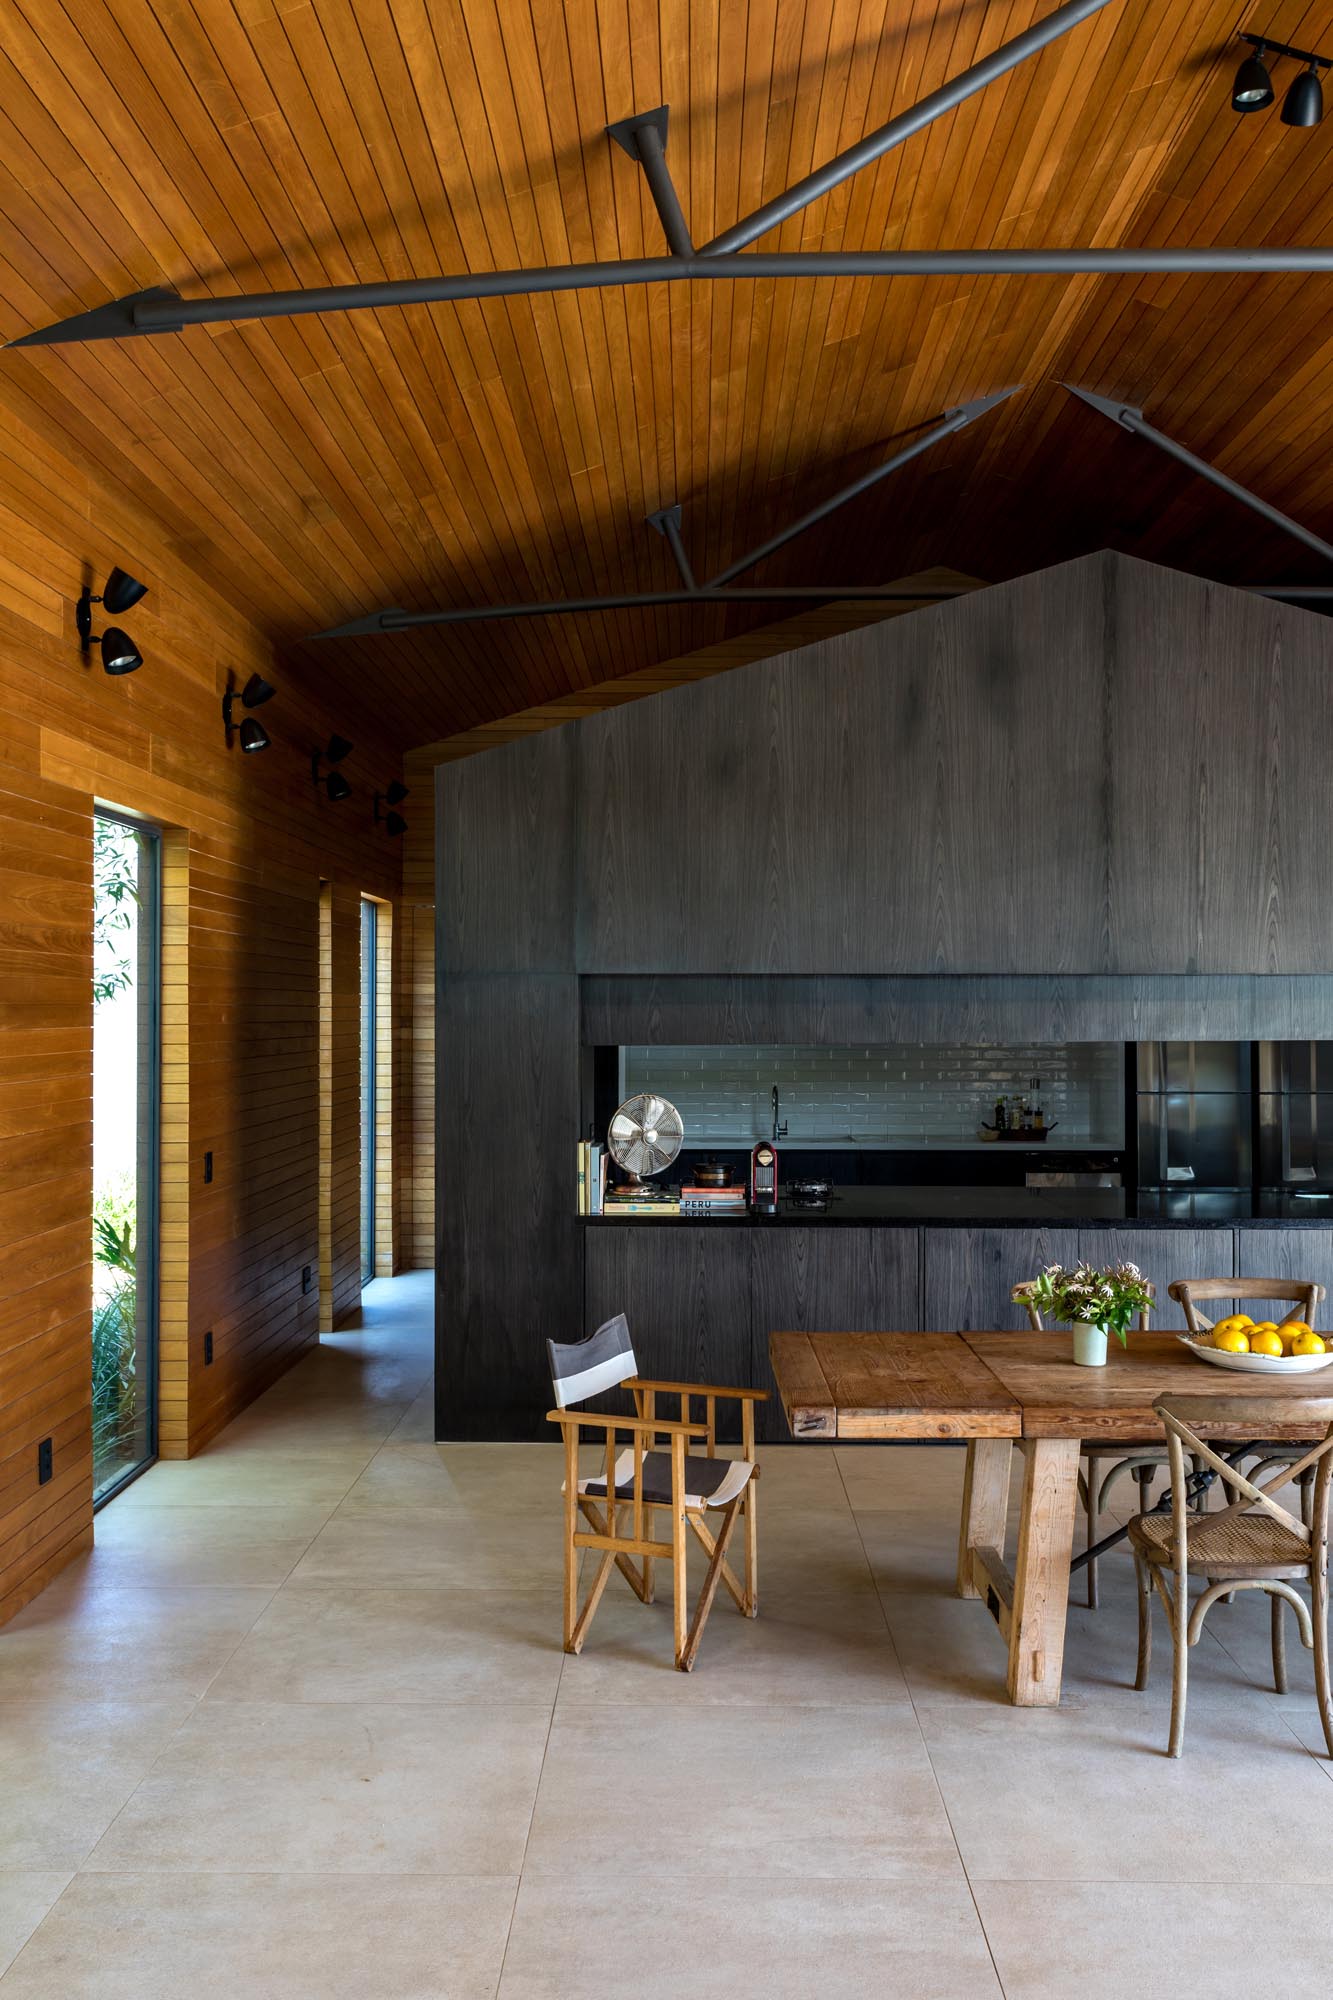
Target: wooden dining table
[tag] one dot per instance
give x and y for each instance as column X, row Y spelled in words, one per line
column 999, row 1391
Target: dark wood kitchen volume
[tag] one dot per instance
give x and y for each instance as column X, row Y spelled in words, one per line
column 904, row 840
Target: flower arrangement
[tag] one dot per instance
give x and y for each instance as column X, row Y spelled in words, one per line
column 1089, row 1296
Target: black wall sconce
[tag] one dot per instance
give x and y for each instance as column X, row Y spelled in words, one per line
column 335, row 784
column 252, row 734
column 120, row 655
column 1303, row 104
column 393, row 795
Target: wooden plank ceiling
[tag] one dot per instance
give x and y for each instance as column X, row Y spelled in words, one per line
column 319, row 468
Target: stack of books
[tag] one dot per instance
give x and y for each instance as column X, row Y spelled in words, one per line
column 712, row 1201
column 620, row 1203
column 592, row 1168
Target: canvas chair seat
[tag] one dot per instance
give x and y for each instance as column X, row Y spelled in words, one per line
column 709, row 1482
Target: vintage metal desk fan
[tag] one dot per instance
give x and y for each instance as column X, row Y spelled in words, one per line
column 644, row 1137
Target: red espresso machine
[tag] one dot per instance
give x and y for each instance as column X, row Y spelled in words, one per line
column 764, row 1178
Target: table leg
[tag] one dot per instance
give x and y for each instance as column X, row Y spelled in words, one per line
column 985, row 1505
column 1041, row 1574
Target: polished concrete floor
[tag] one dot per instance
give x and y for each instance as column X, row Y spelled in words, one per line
column 300, row 1729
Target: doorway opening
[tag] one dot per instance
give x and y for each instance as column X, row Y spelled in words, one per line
column 376, row 1090
column 127, row 947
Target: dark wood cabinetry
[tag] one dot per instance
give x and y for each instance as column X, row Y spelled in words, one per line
column 686, row 1294
column 968, row 1274
column 828, row 1280
column 1289, row 1253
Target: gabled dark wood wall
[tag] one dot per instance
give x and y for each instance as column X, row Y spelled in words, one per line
column 1087, row 803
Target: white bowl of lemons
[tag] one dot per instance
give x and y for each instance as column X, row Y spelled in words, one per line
column 1261, row 1347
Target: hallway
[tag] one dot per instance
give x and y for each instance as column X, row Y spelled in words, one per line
column 300, row 1729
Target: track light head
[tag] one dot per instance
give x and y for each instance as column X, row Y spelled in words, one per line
column 257, row 691
column 337, row 786
column 1253, row 88
column 120, row 655
column 395, row 793
column 122, row 591
column 1304, row 102
column 253, row 735
column 394, row 825
column 338, row 748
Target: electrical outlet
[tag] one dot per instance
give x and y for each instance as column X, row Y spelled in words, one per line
column 208, row 1350
column 45, row 1461
column 307, row 1274
column 208, row 1168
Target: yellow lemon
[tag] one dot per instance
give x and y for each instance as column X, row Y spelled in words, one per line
column 1231, row 1324
column 1232, row 1339
column 1242, row 1319
column 1309, row 1343
column 1266, row 1340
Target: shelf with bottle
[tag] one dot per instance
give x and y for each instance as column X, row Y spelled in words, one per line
column 1017, row 1119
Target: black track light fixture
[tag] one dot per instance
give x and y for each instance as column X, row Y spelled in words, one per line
column 1303, row 104
column 1252, row 90
column 250, row 734
column 120, row 655
column 394, row 824
column 334, row 783
column 122, row 592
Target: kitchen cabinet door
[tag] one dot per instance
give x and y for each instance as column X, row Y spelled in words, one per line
column 1163, row 1255
column 827, row 1280
column 686, row 1294
column 967, row 1275
column 1288, row 1253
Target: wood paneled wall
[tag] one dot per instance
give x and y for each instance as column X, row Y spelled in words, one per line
column 247, row 843
column 1059, row 801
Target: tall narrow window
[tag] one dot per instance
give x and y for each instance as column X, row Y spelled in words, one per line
column 369, row 1065
column 126, row 981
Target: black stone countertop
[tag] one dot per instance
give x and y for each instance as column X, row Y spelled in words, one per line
column 1016, row 1208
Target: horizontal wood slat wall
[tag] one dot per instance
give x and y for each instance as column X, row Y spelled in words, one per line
column 247, row 842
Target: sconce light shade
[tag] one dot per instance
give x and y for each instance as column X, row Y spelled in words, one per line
column 337, row 786
column 253, row 735
column 395, row 793
column 1304, row 101
column 338, row 748
column 394, row 825
column 122, row 591
column 120, row 655
column 1253, row 88
column 256, row 691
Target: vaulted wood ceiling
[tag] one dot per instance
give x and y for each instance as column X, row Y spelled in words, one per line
column 316, row 469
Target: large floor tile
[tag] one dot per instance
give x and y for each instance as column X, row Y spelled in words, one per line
column 1088, row 1795
column 797, row 1652
column 202, row 1546
column 296, row 1425
column 520, row 1479
column 1107, row 1940
column 417, row 1423
column 83, row 1639
column 67, row 1768
column 273, row 1788
column 738, row 1936
column 220, row 1937
column 231, row 1475
column 903, row 1475
column 823, row 1792
column 25, row 1898
column 811, row 1552
column 446, row 1547
column 363, row 1642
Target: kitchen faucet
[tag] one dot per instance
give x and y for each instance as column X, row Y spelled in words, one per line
column 779, row 1131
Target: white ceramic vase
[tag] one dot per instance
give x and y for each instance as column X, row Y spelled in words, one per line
column 1089, row 1344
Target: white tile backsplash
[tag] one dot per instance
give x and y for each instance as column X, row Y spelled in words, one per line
column 898, row 1094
